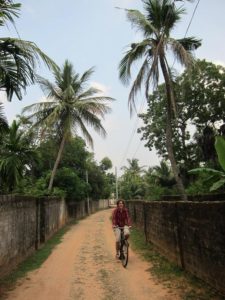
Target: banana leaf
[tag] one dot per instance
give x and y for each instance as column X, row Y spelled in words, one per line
column 220, row 149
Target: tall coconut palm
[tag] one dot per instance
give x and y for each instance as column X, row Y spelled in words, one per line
column 16, row 156
column 70, row 106
column 18, row 58
column 156, row 24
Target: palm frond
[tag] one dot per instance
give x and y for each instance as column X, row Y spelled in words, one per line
column 92, row 120
column 139, row 21
column 136, row 52
column 183, row 56
column 136, row 86
column 86, row 75
column 49, row 89
column 88, row 93
column 163, row 14
column 19, row 60
column 8, row 11
column 190, row 43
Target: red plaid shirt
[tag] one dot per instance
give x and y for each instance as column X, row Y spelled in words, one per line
column 120, row 217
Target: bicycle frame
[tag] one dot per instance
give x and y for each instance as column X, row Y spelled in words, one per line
column 123, row 248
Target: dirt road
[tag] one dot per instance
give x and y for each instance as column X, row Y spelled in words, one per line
column 84, row 267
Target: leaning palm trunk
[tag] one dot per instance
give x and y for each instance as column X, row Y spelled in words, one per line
column 59, row 155
column 169, row 132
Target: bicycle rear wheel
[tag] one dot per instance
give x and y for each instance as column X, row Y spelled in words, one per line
column 125, row 253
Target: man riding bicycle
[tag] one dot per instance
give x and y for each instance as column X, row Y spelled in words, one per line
column 120, row 218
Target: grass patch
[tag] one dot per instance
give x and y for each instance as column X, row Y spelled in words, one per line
column 173, row 277
column 33, row 262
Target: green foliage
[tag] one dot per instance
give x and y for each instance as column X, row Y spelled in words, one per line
column 18, row 58
column 200, row 102
column 67, row 179
column 101, row 184
column 215, row 176
column 159, row 181
column 105, row 164
column 220, row 149
column 70, row 107
column 131, row 185
column 16, row 157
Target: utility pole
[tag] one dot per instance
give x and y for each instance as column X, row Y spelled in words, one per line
column 116, row 183
column 88, row 204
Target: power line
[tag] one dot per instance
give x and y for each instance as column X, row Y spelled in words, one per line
column 133, row 131
column 192, row 17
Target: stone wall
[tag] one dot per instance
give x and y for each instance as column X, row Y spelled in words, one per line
column 79, row 210
column 17, row 229
column 191, row 234
column 27, row 222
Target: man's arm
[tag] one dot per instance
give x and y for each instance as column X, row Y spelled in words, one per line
column 128, row 218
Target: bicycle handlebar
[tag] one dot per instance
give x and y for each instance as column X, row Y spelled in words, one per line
column 121, row 227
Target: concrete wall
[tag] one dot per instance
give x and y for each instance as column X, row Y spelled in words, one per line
column 17, row 229
column 79, row 210
column 191, row 234
column 27, row 222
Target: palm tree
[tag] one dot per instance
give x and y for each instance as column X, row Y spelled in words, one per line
column 16, row 156
column 160, row 18
column 163, row 175
column 70, row 106
column 18, row 58
column 133, row 167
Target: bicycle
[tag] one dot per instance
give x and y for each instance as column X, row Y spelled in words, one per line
column 124, row 248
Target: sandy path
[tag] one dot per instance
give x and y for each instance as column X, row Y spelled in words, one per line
column 84, row 267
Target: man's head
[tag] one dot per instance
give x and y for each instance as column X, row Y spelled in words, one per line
column 120, row 204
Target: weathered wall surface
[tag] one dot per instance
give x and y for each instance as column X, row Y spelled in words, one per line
column 26, row 222
column 17, row 229
column 191, row 234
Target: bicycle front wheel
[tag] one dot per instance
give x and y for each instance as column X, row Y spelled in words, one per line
column 125, row 250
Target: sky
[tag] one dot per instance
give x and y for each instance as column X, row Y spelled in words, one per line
column 96, row 33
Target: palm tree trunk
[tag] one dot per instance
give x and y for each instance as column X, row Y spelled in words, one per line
column 169, row 132
column 59, row 155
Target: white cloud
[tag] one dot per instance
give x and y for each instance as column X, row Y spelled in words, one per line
column 219, row 62
column 104, row 90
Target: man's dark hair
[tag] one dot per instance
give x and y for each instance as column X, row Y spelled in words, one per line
column 120, row 200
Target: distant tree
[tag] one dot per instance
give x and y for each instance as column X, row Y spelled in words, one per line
column 130, row 183
column 106, row 164
column 133, row 166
